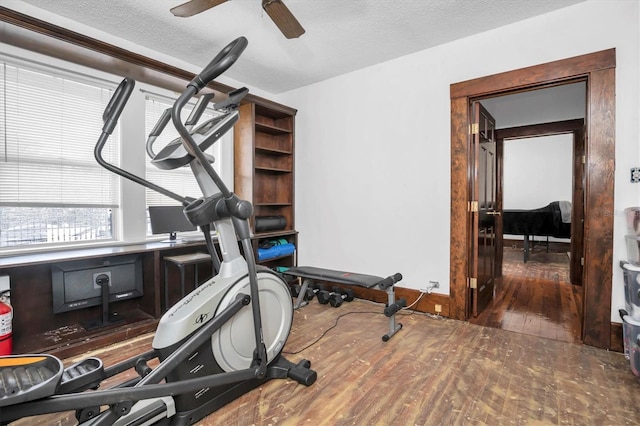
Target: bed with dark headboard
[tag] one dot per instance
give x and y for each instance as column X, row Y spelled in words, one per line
column 552, row 220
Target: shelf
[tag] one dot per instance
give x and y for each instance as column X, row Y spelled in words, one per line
column 273, row 259
column 264, row 161
column 272, row 234
column 275, row 151
column 272, row 170
column 281, row 144
column 258, row 204
column 286, row 260
column 271, row 130
column 275, row 111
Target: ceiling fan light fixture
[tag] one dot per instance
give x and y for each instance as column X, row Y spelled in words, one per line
column 283, row 18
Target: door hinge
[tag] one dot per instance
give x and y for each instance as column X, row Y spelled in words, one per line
column 584, row 159
column 473, row 282
column 473, row 129
column 582, row 261
column 472, row 207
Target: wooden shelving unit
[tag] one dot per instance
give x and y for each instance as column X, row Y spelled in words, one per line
column 264, row 141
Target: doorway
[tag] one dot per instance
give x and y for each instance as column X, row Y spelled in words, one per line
column 573, row 174
column 540, row 198
column 598, row 70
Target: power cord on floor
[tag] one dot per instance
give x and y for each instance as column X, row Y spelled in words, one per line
column 328, row 330
column 406, row 308
column 401, row 312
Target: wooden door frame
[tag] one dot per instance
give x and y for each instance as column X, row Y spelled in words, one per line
column 598, row 69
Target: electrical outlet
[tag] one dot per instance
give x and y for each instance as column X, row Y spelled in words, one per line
column 438, row 308
column 430, row 286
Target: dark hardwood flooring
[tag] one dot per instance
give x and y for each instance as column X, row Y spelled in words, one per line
column 535, row 298
column 435, row 371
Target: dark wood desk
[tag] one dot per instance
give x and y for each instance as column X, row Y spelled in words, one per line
column 37, row 329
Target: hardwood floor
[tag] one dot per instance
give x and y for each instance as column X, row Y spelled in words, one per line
column 535, row 298
column 435, row 371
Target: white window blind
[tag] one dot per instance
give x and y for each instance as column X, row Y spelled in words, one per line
column 179, row 181
column 50, row 121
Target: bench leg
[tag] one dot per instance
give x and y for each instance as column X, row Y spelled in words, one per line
column 300, row 300
column 393, row 326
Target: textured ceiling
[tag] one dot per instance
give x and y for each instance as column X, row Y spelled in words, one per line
column 341, row 35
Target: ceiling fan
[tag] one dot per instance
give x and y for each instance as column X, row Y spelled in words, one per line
column 276, row 9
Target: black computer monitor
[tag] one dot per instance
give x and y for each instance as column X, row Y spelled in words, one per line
column 169, row 220
column 84, row 283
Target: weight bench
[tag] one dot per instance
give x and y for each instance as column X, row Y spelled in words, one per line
column 309, row 274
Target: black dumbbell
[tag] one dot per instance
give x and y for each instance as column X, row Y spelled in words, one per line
column 295, row 290
column 315, row 289
column 310, row 293
column 336, row 296
column 323, row 297
column 339, row 295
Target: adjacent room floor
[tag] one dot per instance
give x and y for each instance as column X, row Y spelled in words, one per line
column 536, row 297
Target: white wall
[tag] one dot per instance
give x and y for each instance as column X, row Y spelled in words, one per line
column 537, row 171
column 558, row 103
column 373, row 146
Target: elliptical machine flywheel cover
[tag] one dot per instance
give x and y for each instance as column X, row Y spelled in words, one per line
column 234, row 343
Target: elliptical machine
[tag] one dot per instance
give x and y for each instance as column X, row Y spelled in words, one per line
column 218, row 342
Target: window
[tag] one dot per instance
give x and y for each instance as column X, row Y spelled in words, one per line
column 51, row 188
column 180, row 181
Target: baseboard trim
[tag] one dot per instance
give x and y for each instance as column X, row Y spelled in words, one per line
column 429, row 302
column 616, row 343
column 433, row 303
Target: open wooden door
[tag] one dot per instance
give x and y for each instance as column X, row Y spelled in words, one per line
column 482, row 209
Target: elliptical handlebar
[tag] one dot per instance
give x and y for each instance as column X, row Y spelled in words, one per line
column 116, row 105
column 164, row 119
column 220, row 63
column 199, row 109
column 156, row 131
column 110, row 118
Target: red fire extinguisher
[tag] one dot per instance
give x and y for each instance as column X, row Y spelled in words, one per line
column 6, row 317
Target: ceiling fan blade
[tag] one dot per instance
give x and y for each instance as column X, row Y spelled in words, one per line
column 283, row 18
column 194, row 7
